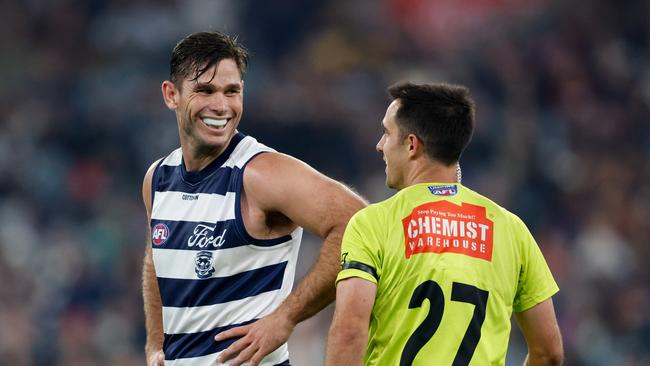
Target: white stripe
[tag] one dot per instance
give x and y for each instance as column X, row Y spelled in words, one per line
column 174, row 158
column 204, row 318
column 246, row 149
column 178, row 263
column 274, row 358
column 207, row 207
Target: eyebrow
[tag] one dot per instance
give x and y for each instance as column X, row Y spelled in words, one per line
column 209, row 86
column 199, row 86
column 233, row 86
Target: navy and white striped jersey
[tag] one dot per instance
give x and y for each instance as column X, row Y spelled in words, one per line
column 211, row 273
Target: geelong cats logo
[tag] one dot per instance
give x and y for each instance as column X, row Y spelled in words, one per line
column 203, row 264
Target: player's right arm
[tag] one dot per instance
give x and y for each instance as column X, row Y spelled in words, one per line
column 150, row 291
column 348, row 337
column 542, row 334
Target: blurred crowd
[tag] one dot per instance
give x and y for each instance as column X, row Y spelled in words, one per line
column 562, row 140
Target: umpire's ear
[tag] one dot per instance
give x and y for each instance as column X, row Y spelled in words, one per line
column 414, row 145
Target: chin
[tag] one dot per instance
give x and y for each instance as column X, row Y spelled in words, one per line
column 209, row 145
column 393, row 183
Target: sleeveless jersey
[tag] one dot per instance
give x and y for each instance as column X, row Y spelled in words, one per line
column 450, row 267
column 211, row 273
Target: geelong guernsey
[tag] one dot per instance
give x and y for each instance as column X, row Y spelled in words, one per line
column 450, row 267
column 211, row 273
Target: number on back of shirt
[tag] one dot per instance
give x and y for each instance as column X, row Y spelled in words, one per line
column 460, row 292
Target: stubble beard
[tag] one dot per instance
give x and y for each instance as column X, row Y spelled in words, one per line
column 392, row 181
column 199, row 146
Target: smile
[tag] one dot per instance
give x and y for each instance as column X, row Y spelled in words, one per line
column 215, row 123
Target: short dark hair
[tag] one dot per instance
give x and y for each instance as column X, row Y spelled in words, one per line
column 441, row 115
column 198, row 52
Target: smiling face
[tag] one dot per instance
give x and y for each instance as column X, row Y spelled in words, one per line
column 393, row 148
column 208, row 109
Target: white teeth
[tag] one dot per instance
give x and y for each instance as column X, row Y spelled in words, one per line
column 215, row 122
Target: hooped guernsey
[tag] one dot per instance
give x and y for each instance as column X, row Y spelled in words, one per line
column 212, row 274
column 450, row 267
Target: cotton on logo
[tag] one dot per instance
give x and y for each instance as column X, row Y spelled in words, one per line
column 159, row 234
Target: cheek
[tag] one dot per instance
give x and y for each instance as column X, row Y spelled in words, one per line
column 237, row 105
column 196, row 103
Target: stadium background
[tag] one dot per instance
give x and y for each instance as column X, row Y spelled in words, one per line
column 563, row 140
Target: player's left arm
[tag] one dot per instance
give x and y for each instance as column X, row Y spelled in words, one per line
column 280, row 183
column 348, row 336
column 542, row 333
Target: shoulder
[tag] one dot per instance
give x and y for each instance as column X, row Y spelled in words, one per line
column 274, row 172
column 271, row 163
column 273, row 178
column 174, row 158
column 147, row 186
column 246, row 148
column 510, row 223
column 498, row 212
column 278, row 182
column 372, row 219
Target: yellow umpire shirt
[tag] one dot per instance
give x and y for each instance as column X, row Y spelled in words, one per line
column 450, row 267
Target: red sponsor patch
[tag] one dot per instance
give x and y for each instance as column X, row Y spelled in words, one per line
column 444, row 227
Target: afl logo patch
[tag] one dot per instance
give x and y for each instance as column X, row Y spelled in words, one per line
column 443, row 190
column 159, row 234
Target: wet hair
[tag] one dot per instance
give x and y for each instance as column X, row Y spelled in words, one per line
column 198, row 52
column 440, row 115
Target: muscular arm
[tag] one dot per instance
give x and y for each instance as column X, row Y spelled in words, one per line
column 279, row 183
column 539, row 327
column 150, row 291
column 348, row 336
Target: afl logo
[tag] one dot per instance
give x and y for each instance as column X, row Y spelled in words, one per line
column 159, row 234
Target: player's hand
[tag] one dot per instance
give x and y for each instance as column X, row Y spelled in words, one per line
column 156, row 359
column 258, row 339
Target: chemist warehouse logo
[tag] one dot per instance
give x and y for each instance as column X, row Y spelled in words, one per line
column 444, row 227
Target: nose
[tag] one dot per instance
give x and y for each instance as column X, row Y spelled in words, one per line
column 380, row 144
column 218, row 103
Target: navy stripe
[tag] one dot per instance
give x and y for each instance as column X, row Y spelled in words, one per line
column 154, row 180
column 222, row 235
column 196, row 177
column 185, row 345
column 217, row 290
column 285, row 363
column 176, row 178
column 169, row 178
column 360, row 266
column 238, row 181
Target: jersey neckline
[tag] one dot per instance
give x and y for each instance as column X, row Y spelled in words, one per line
column 197, row 176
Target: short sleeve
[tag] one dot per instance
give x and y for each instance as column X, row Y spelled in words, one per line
column 360, row 248
column 536, row 282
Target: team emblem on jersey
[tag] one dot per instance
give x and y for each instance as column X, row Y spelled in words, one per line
column 159, row 234
column 203, row 264
column 443, row 190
